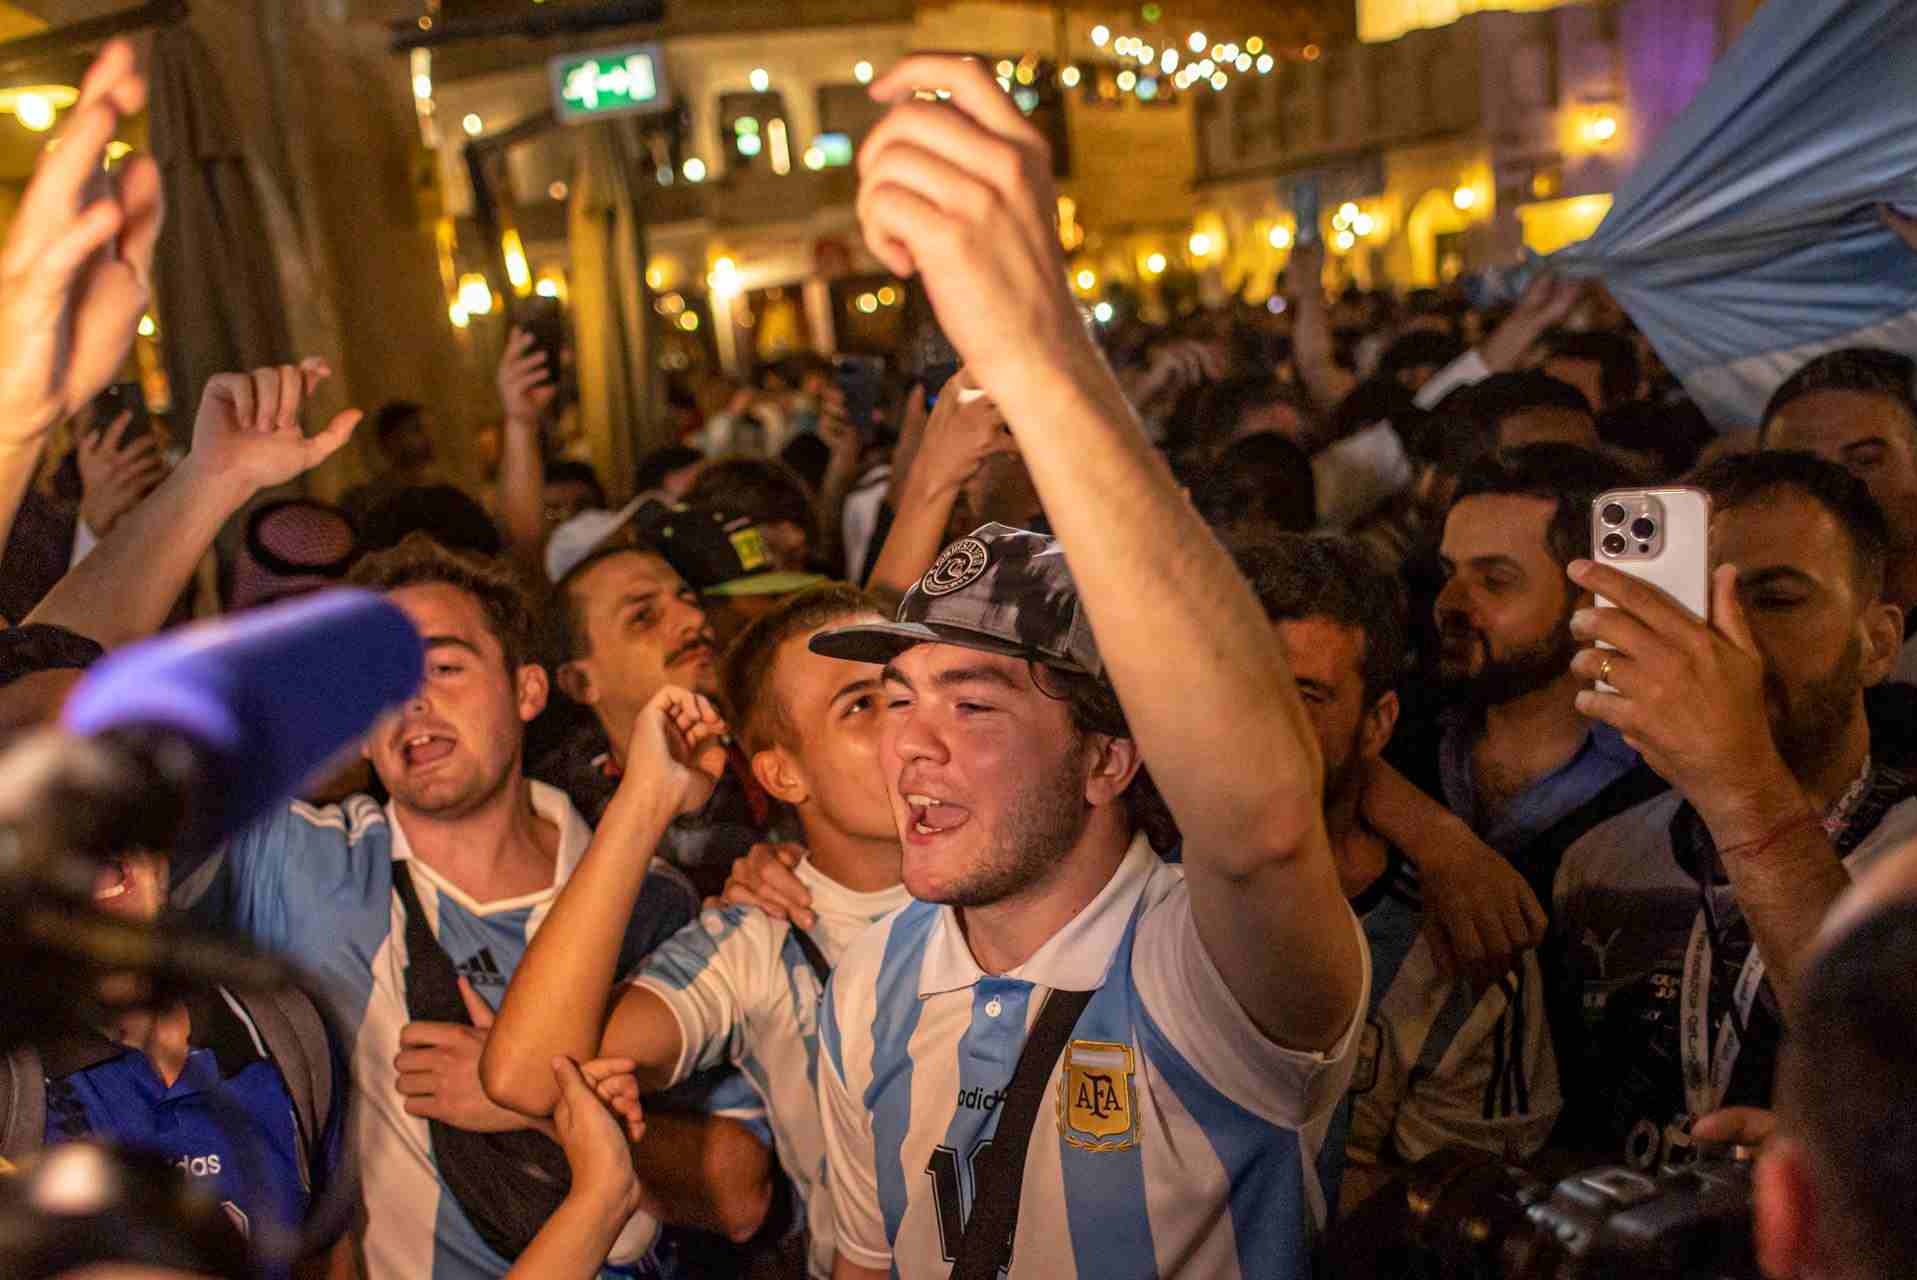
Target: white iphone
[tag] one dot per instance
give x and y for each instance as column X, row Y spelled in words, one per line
column 1661, row 536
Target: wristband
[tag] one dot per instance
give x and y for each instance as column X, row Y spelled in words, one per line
column 1755, row 848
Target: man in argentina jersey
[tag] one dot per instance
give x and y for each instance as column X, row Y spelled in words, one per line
column 487, row 851
column 1179, row 1129
column 1439, row 1062
column 735, row 986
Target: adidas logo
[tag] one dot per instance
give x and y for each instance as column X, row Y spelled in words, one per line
column 481, row 970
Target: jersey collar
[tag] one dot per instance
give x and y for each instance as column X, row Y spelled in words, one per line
column 1073, row 959
column 549, row 803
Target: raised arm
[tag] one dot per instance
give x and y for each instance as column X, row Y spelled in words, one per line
column 958, row 439
column 557, row 1002
column 961, row 193
column 1311, row 343
column 525, row 390
column 247, row 438
column 74, row 273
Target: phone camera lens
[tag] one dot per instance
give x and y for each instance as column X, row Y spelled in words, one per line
column 1614, row 544
column 1613, row 513
column 1643, row 528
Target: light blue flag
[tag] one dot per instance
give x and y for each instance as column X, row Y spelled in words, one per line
column 1749, row 239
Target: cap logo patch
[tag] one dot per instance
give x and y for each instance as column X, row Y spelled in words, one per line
column 959, row 566
column 750, row 548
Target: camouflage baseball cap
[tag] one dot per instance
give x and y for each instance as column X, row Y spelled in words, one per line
column 1000, row 590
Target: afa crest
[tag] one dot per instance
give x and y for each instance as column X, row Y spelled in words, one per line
column 1096, row 1108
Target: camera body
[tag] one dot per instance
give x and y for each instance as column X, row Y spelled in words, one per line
column 1475, row 1216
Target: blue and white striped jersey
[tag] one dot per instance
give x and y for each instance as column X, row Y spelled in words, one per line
column 1177, row 1139
column 1439, row 1063
column 316, row 885
column 743, row 993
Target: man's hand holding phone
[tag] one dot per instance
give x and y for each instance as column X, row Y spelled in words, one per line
column 116, row 472
column 1688, row 695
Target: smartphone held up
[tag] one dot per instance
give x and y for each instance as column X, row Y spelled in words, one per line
column 1660, row 536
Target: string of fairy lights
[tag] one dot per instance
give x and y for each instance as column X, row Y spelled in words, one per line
column 1153, row 64
column 1193, row 61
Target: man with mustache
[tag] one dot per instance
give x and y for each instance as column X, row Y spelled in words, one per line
column 1508, row 750
column 1686, row 920
column 624, row 626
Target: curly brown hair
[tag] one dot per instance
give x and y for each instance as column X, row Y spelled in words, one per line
column 501, row 593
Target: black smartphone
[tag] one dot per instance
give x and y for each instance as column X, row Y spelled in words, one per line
column 121, row 397
column 862, row 381
column 545, row 320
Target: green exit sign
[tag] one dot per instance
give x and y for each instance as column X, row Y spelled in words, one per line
column 609, row 82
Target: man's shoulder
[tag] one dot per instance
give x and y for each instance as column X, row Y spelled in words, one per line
column 1621, row 849
column 724, row 930
column 299, row 840
column 893, row 940
column 354, row 820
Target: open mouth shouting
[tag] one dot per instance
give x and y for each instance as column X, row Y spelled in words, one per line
column 931, row 817
column 424, row 747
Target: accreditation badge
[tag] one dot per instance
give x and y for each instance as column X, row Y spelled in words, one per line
column 1095, row 1097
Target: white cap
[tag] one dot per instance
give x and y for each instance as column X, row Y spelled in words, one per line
column 582, row 535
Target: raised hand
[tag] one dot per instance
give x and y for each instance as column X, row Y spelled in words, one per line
column 678, row 748
column 248, row 430
column 960, row 192
column 525, row 384
column 77, row 263
column 115, row 474
column 1305, row 272
column 962, row 433
column 1687, row 695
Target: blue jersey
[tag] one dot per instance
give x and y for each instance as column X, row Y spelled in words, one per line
column 253, row 1159
column 1175, row 1137
column 316, row 885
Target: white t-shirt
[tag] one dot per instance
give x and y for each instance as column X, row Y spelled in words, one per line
column 743, row 992
column 1176, row 1137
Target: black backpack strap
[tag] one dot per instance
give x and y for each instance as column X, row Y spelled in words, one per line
column 296, row 1040
column 23, row 1104
column 24, row 1073
column 508, row 1184
column 986, row 1245
column 809, row 948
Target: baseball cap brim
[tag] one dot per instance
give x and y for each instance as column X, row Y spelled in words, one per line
column 880, row 642
column 767, row 584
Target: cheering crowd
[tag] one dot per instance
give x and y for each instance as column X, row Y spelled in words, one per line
column 1111, row 810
